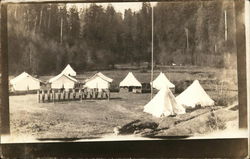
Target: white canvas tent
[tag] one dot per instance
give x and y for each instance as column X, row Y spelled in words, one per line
column 98, row 81
column 130, row 81
column 161, row 82
column 194, row 95
column 24, row 82
column 164, row 104
column 69, row 71
column 62, row 81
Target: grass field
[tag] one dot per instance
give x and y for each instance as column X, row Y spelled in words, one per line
column 96, row 118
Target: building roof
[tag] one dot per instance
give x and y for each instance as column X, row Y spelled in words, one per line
column 102, row 76
column 21, row 77
column 60, row 75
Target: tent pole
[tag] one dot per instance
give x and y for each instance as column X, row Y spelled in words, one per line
column 61, row 30
column 225, row 16
column 152, row 52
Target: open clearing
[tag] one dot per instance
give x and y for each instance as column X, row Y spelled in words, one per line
column 96, row 118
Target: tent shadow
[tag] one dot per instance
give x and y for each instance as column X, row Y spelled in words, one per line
column 115, row 98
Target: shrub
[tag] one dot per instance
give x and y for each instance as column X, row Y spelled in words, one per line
column 236, row 107
column 114, row 88
column 215, row 123
column 180, row 86
column 225, row 99
column 211, row 75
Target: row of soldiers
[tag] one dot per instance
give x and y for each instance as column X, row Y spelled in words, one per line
column 54, row 95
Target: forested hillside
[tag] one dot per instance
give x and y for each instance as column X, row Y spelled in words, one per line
column 43, row 38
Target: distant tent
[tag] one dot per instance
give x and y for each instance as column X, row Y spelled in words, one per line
column 62, row 81
column 24, row 82
column 161, row 82
column 69, row 71
column 194, row 95
column 130, row 81
column 164, row 104
column 99, row 81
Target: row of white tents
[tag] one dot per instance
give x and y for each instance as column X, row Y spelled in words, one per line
column 66, row 79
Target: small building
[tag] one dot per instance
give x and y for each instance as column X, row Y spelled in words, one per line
column 68, row 70
column 25, row 82
column 99, row 81
column 63, row 81
column 130, row 84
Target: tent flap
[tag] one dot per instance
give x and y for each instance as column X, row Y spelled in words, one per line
column 164, row 104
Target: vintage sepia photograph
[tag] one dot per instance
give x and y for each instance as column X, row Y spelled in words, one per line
column 122, row 71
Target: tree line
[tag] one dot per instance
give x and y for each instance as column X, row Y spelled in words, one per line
column 44, row 38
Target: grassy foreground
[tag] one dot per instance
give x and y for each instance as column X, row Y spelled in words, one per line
column 90, row 119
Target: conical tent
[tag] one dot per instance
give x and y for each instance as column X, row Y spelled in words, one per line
column 194, row 95
column 24, row 82
column 69, row 71
column 164, row 104
column 130, row 81
column 161, row 82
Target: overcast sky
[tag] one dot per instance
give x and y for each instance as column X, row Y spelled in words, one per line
column 119, row 6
